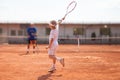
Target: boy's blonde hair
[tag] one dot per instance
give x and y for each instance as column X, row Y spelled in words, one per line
column 53, row 22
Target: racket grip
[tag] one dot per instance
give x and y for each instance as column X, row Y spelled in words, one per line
column 59, row 21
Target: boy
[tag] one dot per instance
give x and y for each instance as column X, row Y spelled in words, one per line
column 31, row 31
column 53, row 44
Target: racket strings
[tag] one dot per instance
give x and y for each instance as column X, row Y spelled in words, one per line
column 71, row 7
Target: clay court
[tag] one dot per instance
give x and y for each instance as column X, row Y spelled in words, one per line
column 88, row 62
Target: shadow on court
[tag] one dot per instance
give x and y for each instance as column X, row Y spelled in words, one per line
column 47, row 76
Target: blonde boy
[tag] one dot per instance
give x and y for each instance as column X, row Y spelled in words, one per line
column 53, row 44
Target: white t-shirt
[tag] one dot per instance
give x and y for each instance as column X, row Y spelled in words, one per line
column 54, row 34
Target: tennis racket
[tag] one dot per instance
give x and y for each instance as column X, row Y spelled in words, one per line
column 71, row 6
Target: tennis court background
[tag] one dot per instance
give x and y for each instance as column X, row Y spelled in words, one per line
column 87, row 33
column 86, row 58
column 91, row 62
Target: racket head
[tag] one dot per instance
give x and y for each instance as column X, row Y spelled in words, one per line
column 72, row 5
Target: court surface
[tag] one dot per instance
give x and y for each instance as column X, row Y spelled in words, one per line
column 88, row 62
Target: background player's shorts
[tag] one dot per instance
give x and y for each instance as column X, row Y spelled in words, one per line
column 52, row 50
column 31, row 40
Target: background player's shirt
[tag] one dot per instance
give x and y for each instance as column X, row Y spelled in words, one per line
column 31, row 33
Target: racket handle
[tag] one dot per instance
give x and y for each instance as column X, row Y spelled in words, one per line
column 60, row 21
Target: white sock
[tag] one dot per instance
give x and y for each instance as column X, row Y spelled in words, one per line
column 58, row 58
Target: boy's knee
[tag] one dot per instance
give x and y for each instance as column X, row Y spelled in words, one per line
column 52, row 56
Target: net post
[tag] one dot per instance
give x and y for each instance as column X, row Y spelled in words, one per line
column 78, row 43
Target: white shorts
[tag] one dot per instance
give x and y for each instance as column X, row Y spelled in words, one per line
column 52, row 50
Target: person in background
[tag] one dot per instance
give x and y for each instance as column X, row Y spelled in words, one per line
column 32, row 37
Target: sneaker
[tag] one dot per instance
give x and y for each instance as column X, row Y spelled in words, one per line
column 62, row 62
column 51, row 69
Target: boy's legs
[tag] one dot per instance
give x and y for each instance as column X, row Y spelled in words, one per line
column 52, row 56
column 53, row 59
column 61, row 60
column 51, row 53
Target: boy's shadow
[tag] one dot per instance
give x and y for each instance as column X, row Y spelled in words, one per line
column 47, row 76
column 44, row 77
